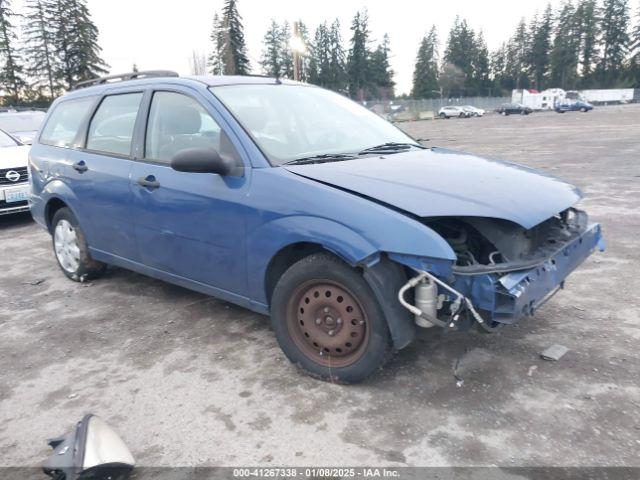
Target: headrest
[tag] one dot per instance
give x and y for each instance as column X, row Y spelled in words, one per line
column 181, row 120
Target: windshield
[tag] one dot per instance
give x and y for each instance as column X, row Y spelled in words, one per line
column 290, row 122
column 21, row 121
column 6, row 140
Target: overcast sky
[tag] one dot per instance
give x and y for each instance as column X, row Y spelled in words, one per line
column 157, row 34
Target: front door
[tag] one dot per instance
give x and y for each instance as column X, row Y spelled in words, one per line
column 191, row 225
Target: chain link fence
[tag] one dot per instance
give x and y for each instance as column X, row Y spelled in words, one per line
column 426, row 109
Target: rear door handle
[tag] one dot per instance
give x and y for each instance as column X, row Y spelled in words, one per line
column 149, row 182
column 80, row 166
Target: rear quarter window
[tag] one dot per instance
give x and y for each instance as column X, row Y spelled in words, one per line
column 62, row 126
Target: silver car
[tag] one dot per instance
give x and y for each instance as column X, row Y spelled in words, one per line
column 451, row 111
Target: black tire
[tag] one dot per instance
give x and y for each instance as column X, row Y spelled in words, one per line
column 309, row 282
column 583, row 110
column 443, row 116
column 87, row 268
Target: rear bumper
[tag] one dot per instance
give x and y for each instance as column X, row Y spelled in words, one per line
column 506, row 297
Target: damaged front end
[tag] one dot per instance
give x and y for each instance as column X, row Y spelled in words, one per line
column 502, row 272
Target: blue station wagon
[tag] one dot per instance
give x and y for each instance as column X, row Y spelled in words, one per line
column 295, row 202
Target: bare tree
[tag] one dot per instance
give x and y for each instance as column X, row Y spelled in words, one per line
column 198, row 63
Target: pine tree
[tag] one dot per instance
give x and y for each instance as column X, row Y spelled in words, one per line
column 11, row 74
column 76, row 39
column 234, row 52
column 517, row 61
column 338, row 79
column 540, row 37
column 565, row 50
column 615, row 41
column 216, row 59
column 481, row 68
column 358, row 58
column 286, row 55
column 459, row 52
column 633, row 68
column 39, row 50
column 319, row 56
column 380, row 72
column 271, row 54
column 425, row 74
column 587, row 24
column 498, row 64
column 306, row 56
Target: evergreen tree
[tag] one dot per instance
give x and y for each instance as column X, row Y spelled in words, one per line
column 39, row 49
column 498, row 64
column 633, row 68
column 271, row 54
column 234, row 51
column 459, row 52
column 481, row 82
column 306, row 56
column 565, row 50
column 337, row 59
column 380, row 72
column 425, row 74
column 540, row 37
column 319, row 56
column 358, row 59
column 587, row 24
column 76, row 39
column 11, row 73
column 216, row 59
column 615, row 41
column 286, row 55
column 517, row 60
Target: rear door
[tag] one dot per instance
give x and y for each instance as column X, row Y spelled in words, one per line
column 191, row 225
column 99, row 174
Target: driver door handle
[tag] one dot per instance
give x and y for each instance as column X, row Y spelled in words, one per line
column 149, row 182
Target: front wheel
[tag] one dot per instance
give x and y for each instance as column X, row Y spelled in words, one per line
column 328, row 321
column 70, row 248
column 443, row 116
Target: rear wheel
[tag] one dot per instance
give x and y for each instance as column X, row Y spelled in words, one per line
column 70, row 248
column 328, row 321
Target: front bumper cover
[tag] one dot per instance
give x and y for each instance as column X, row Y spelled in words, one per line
column 506, row 297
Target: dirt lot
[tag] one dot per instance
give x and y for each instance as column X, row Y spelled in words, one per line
column 189, row 380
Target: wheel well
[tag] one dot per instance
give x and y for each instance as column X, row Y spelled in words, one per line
column 52, row 207
column 284, row 259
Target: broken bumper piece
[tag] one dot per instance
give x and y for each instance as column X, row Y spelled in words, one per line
column 506, row 297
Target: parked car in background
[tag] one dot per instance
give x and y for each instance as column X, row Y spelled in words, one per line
column 14, row 180
column 513, row 109
column 451, row 111
column 578, row 106
column 22, row 124
column 295, row 202
column 473, row 111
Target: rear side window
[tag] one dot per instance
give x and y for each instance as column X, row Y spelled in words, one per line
column 65, row 121
column 111, row 129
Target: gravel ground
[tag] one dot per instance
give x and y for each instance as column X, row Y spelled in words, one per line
column 189, row 380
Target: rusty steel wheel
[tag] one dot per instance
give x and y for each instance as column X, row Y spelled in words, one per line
column 327, row 323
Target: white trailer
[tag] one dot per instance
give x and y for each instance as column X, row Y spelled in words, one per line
column 611, row 95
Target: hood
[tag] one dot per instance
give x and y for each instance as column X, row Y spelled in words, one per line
column 445, row 183
column 26, row 136
column 14, row 157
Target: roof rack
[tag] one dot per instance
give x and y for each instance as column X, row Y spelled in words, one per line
column 122, row 77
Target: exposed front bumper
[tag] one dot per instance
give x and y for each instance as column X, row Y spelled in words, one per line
column 505, row 297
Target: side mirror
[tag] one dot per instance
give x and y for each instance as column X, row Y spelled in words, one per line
column 201, row 160
column 93, row 450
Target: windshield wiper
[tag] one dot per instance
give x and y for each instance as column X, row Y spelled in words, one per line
column 322, row 158
column 391, row 147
